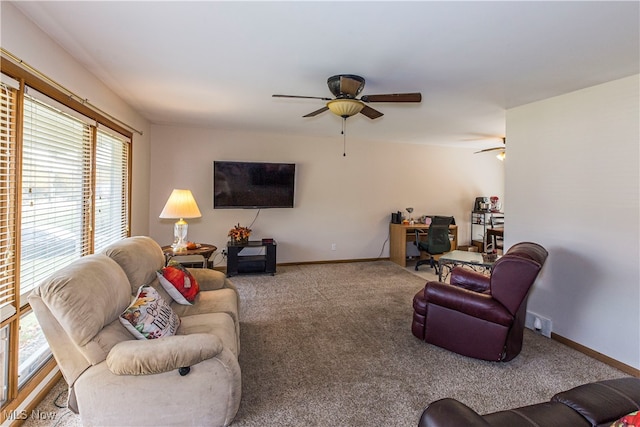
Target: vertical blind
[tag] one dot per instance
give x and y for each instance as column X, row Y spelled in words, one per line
column 8, row 191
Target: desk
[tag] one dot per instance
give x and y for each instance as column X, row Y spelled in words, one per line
column 204, row 250
column 475, row 260
column 400, row 234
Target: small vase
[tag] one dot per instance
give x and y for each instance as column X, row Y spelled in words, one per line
column 239, row 242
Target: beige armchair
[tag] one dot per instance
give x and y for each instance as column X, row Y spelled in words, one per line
column 115, row 379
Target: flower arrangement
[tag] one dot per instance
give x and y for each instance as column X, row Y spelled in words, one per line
column 239, row 234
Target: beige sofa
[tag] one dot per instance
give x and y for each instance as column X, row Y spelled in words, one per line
column 115, row 379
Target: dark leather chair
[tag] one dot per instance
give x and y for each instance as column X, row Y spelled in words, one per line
column 593, row 404
column 476, row 315
column 437, row 241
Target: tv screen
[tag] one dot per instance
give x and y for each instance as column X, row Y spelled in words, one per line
column 252, row 185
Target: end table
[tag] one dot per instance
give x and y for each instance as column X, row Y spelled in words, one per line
column 204, row 250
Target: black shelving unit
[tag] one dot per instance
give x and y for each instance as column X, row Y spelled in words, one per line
column 251, row 264
column 481, row 221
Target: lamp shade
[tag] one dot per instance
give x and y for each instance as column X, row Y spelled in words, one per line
column 345, row 107
column 181, row 204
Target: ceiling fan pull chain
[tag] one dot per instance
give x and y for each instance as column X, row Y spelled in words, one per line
column 344, row 137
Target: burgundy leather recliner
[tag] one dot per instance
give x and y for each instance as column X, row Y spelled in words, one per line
column 476, row 315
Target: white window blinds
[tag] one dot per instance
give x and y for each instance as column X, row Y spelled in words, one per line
column 8, row 193
column 56, row 197
column 112, row 189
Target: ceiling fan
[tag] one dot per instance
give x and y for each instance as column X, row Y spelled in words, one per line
column 502, row 154
column 346, row 88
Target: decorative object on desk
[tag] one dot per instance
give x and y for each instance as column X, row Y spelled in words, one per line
column 396, row 217
column 495, row 204
column 239, row 235
column 181, row 204
column 410, row 210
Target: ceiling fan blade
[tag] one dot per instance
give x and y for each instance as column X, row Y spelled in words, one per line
column 371, row 113
column 484, row 137
column 299, row 96
column 489, row 149
column 315, row 113
column 393, row 97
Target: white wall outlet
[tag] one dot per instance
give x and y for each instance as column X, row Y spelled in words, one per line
column 538, row 324
column 333, row 246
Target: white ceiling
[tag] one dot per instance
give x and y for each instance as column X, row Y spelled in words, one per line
column 216, row 64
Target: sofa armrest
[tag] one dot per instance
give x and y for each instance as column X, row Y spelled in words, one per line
column 469, row 279
column 450, row 412
column 474, row 304
column 210, row 280
column 603, row 402
column 143, row 357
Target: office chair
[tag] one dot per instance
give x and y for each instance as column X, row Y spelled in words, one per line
column 437, row 241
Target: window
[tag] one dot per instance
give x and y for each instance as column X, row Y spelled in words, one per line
column 8, row 191
column 4, row 367
column 33, row 350
column 112, row 192
column 56, row 167
column 64, row 193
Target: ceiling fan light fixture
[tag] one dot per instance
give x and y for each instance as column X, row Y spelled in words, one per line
column 345, row 107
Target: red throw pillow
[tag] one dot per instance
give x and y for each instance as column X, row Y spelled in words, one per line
column 179, row 283
column 630, row 420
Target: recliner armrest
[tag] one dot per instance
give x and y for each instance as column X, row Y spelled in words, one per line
column 468, row 279
column 144, row 357
column 603, row 402
column 474, row 304
column 450, row 412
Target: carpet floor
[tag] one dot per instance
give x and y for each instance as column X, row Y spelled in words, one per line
column 331, row 345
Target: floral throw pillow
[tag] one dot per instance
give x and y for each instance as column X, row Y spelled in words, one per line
column 149, row 316
column 630, row 420
column 179, row 283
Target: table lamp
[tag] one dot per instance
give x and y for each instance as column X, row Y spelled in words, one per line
column 181, row 204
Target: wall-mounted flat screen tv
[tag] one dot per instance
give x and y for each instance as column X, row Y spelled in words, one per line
column 253, row 185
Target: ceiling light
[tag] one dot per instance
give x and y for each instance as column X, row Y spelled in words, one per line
column 345, row 107
column 501, row 155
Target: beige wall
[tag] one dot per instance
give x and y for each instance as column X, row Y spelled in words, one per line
column 573, row 185
column 26, row 41
column 343, row 200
